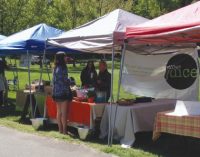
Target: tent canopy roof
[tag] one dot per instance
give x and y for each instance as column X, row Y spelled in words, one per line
column 97, row 35
column 2, row 37
column 182, row 25
column 32, row 39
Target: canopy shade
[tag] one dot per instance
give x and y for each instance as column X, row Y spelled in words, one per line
column 97, row 35
column 179, row 26
column 32, row 39
column 2, row 37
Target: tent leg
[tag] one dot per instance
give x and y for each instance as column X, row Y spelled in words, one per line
column 47, row 69
column 29, row 79
column 197, row 60
column 43, row 62
column 13, row 68
column 120, row 72
column 111, row 100
column 119, row 85
column 41, row 71
column 17, row 75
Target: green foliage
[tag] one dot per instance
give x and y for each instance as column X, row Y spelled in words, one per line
column 154, row 8
column 16, row 15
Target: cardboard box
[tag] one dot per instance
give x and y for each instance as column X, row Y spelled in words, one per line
column 20, row 99
column 48, row 90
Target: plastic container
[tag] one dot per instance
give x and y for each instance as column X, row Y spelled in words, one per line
column 83, row 132
column 38, row 123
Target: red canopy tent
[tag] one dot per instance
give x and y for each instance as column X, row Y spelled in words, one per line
column 164, row 37
column 182, row 25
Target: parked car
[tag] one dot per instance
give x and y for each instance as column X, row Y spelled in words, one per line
column 38, row 60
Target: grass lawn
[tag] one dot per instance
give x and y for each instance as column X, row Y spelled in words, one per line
column 143, row 147
column 73, row 72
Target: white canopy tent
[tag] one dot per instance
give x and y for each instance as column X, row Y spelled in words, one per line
column 2, row 37
column 97, row 36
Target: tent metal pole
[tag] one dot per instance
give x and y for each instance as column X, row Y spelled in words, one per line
column 17, row 75
column 112, row 98
column 41, row 71
column 119, row 85
column 29, row 79
column 12, row 68
column 43, row 62
column 44, row 59
column 48, row 71
column 120, row 72
column 197, row 60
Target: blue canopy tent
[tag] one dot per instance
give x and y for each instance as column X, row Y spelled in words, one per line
column 31, row 41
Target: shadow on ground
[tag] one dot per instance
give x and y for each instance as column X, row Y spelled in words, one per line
column 9, row 109
column 166, row 146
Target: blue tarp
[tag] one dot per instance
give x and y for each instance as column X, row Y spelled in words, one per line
column 2, row 37
column 32, row 39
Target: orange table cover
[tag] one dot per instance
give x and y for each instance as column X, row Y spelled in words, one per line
column 51, row 107
column 79, row 112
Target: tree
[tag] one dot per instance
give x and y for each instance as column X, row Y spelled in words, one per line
column 11, row 12
column 16, row 15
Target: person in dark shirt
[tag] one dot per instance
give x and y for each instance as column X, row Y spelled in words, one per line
column 3, row 65
column 89, row 75
column 3, row 82
column 104, row 79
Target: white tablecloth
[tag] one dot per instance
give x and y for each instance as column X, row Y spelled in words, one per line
column 131, row 119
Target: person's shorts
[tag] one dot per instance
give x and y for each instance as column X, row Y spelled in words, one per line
column 62, row 98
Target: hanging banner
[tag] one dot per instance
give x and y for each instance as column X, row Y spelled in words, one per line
column 172, row 75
